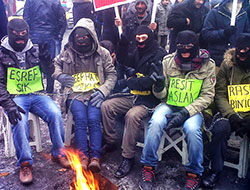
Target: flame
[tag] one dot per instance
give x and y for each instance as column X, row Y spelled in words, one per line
column 84, row 180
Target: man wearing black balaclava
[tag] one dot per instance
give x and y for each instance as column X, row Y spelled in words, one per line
column 187, row 87
column 87, row 74
column 21, row 64
column 146, row 60
column 234, row 109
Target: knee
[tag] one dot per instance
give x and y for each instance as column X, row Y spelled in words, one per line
column 131, row 115
column 222, row 127
column 192, row 130
column 107, row 107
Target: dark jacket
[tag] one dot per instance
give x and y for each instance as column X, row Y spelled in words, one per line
column 8, row 59
column 248, row 13
column 130, row 25
column 229, row 71
column 143, row 65
column 4, row 21
column 83, row 9
column 46, row 17
column 213, row 31
column 177, row 20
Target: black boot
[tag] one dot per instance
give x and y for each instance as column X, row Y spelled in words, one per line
column 125, row 167
column 210, row 180
column 147, row 178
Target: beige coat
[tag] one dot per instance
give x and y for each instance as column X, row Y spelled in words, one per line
column 205, row 73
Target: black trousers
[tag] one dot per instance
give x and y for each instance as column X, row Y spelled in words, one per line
column 217, row 147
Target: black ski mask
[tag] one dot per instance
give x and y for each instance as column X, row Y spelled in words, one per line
column 187, row 42
column 82, row 40
column 243, row 43
column 18, row 33
column 147, row 45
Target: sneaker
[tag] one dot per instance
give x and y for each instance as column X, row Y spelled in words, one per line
column 192, row 181
column 25, row 174
column 125, row 167
column 147, row 178
column 63, row 161
column 94, row 165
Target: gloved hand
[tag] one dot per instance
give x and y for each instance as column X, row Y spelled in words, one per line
column 66, row 80
column 44, row 53
column 14, row 114
column 235, row 121
column 96, row 99
column 230, row 30
column 159, row 81
column 176, row 119
column 244, row 128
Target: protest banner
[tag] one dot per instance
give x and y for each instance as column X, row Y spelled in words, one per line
column 24, row 81
column 239, row 97
column 105, row 4
column 183, row 92
column 85, row 82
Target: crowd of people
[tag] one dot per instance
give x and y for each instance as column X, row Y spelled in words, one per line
column 189, row 68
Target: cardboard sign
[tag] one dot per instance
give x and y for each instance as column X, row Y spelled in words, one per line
column 24, row 81
column 85, row 82
column 239, row 97
column 138, row 92
column 105, row 4
column 183, row 92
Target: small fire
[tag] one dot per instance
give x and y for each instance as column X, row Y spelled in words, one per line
column 84, row 180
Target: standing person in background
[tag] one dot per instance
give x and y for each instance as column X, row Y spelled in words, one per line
column 188, row 15
column 83, row 9
column 47, row 22
column 4, row 20
column 163, row 10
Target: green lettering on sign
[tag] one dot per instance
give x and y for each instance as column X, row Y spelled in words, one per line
column 20, row 81
column 183, row 92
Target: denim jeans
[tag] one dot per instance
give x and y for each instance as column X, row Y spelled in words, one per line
column 192, row 130
column 54, row 49
column 87, row 117
column 45, row 108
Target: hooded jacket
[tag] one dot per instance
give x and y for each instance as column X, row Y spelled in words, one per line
column 205, row 73
column 213, row 30
column 70, row 62
column 8, row 58
column 229, row 71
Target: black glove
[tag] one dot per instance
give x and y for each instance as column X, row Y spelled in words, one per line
column 235, row 121
column 14, row 114
column 96, row 99
column 176, row 119
column 230, row 30
column 244, row 129
column 44, row 53
column 159, row 81
column 66, row 80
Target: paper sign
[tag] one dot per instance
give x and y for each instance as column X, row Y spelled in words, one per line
column 105, row 4
column 183, row 92
column 239, row 97
column 85, row 82
column 24, row 81
column 137, row 92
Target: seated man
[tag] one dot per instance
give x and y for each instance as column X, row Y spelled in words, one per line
column 146, row 59
column 233, row 77
column 87, row 75
column 187, row 89
column 21, row 64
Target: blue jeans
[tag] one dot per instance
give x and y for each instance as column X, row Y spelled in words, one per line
column 45, row 108
column 87, row 117
column 192, row 130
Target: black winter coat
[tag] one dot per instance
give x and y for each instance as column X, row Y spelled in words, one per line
column 143, row 65
column 9, row 59
column 83, row 10
column 177, row 20
column 45, row 17
column 213, row 31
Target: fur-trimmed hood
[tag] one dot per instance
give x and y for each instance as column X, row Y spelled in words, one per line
column 229, row 57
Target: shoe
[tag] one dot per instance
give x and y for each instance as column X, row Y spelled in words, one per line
column 210, row 180
column 108, row 148
column 192, row 181
column 63, row 161
column 125, row 167
column 25, row 174
column 147, row 178
column 84, row 162
column 94, row 165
